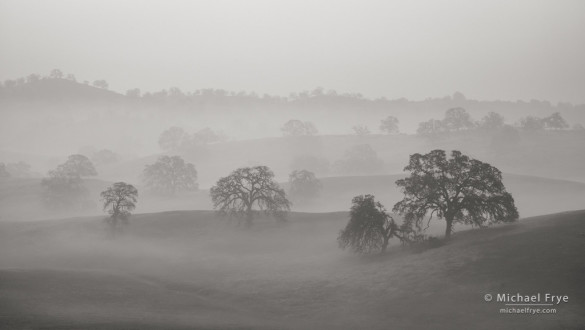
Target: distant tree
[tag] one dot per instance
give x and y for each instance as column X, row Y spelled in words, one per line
column 71, row 77
column 105, row 156
column 206, row 136
column 360, row 158
column 33, row 78
column 77, row 165
column 3, row 171
column 459, row 97
column 578, row 127
column 458, row 189
column 304, row 185
column 172, row 139
column 555, row 121
column 361, row 130
column 56, row 74
column 100, row 84
column 370, row 227
column 247, row 188
column 65, row 187
column 19, row 169
column 430, row 127
column 169, row 175
column 532, row 123
column 119, row 200
column 389, row 125
column 492, row 121
column 296, row 127
column 134, row 93
column 457, row 119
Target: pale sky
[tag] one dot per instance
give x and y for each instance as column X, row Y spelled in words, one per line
column 488, row 50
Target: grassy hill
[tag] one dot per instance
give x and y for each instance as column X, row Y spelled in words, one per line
column 180, row 270
column 21, row 199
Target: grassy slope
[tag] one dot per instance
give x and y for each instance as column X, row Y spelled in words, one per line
column 186, row 269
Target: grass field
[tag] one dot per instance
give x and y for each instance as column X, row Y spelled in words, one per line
column 191, row 270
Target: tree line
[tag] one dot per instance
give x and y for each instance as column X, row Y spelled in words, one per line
column 452, row 187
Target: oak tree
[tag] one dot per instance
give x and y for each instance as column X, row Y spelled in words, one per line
column 249, row 188
column 458, row 189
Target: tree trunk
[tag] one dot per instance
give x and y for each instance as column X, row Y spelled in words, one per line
column 249, row 216
column 449, row 228
column 385, row 245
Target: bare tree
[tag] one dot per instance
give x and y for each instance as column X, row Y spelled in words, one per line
column 247, row 188
column 119, row 200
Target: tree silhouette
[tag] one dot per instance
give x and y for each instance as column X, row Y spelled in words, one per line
column 304, row 186
column 370, row 227
column 296, row 127
column 457, row 119
column 458, row 189
column 389, row 125
column 172, row 139
column 65, row 188
column 119, row 199
column 555, row 121
column 361, row 158
column 169, row 175
column 531, row 123
column 77, row 165
column 56, row 74
column 492, row 121
column 246, row 188
column 361, row 130
column 430, row 127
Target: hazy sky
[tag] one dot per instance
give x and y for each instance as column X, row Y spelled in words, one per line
column 415, row 49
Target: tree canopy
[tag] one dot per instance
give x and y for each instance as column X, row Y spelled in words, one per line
column 65, row 188
column 370, row 227
column 169, row 175
column 119, row 200
column 458, row 189
column 304, row 185
column 247, row 188
column 389, row 125
column 295, row 127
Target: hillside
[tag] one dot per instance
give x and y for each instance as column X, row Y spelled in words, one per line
column 63, row 274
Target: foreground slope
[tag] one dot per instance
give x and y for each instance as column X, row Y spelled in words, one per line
column 178, row 270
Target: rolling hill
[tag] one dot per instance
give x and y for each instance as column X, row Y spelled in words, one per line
column 179, row 270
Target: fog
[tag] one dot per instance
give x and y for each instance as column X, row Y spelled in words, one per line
column 124, row 125
column 378, row 48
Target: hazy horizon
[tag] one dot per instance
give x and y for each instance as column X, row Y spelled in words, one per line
column 488, row 50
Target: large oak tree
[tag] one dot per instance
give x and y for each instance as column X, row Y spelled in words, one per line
column 248, row 188
column 458, row 189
